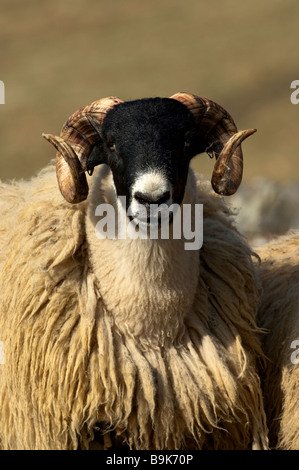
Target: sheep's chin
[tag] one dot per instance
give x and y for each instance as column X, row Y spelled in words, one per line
column 148, row 228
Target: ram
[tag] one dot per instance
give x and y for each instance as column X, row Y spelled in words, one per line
column 141, row 339
column 279, row 316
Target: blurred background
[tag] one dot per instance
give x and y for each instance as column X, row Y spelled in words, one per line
column 60, row 55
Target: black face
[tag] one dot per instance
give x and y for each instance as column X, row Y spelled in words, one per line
column 145, row 137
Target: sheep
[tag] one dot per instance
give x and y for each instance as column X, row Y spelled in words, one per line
column 139, row 339
column 279, row 316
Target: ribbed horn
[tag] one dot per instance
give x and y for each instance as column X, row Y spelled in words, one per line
column 71, row 177
column 217, row 133
column 78, row 136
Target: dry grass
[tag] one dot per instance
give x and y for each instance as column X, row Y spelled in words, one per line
column 57, row 56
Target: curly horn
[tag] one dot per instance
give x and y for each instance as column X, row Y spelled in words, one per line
column 217, row 132
column 78, row 136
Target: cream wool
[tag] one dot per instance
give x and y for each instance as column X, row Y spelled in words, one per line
column 85, row 344
column 149, row 285
column 279, row 314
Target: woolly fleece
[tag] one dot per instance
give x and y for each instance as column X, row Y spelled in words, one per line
column 279, row 315
column 68, row 364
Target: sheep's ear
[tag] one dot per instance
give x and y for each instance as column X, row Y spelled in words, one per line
column 218, row 136
column 96, row 157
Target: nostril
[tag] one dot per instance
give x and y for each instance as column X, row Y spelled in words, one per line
column 147, row 199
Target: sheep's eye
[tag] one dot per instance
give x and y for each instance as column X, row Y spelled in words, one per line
column 187, row 143
column 111, row 147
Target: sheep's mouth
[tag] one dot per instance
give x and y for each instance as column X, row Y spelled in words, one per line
column 152, row 220
column 155, row 215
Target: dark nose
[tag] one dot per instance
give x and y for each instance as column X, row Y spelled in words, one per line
column 147, row 199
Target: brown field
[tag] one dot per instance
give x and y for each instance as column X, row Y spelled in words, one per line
column 57, row 56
